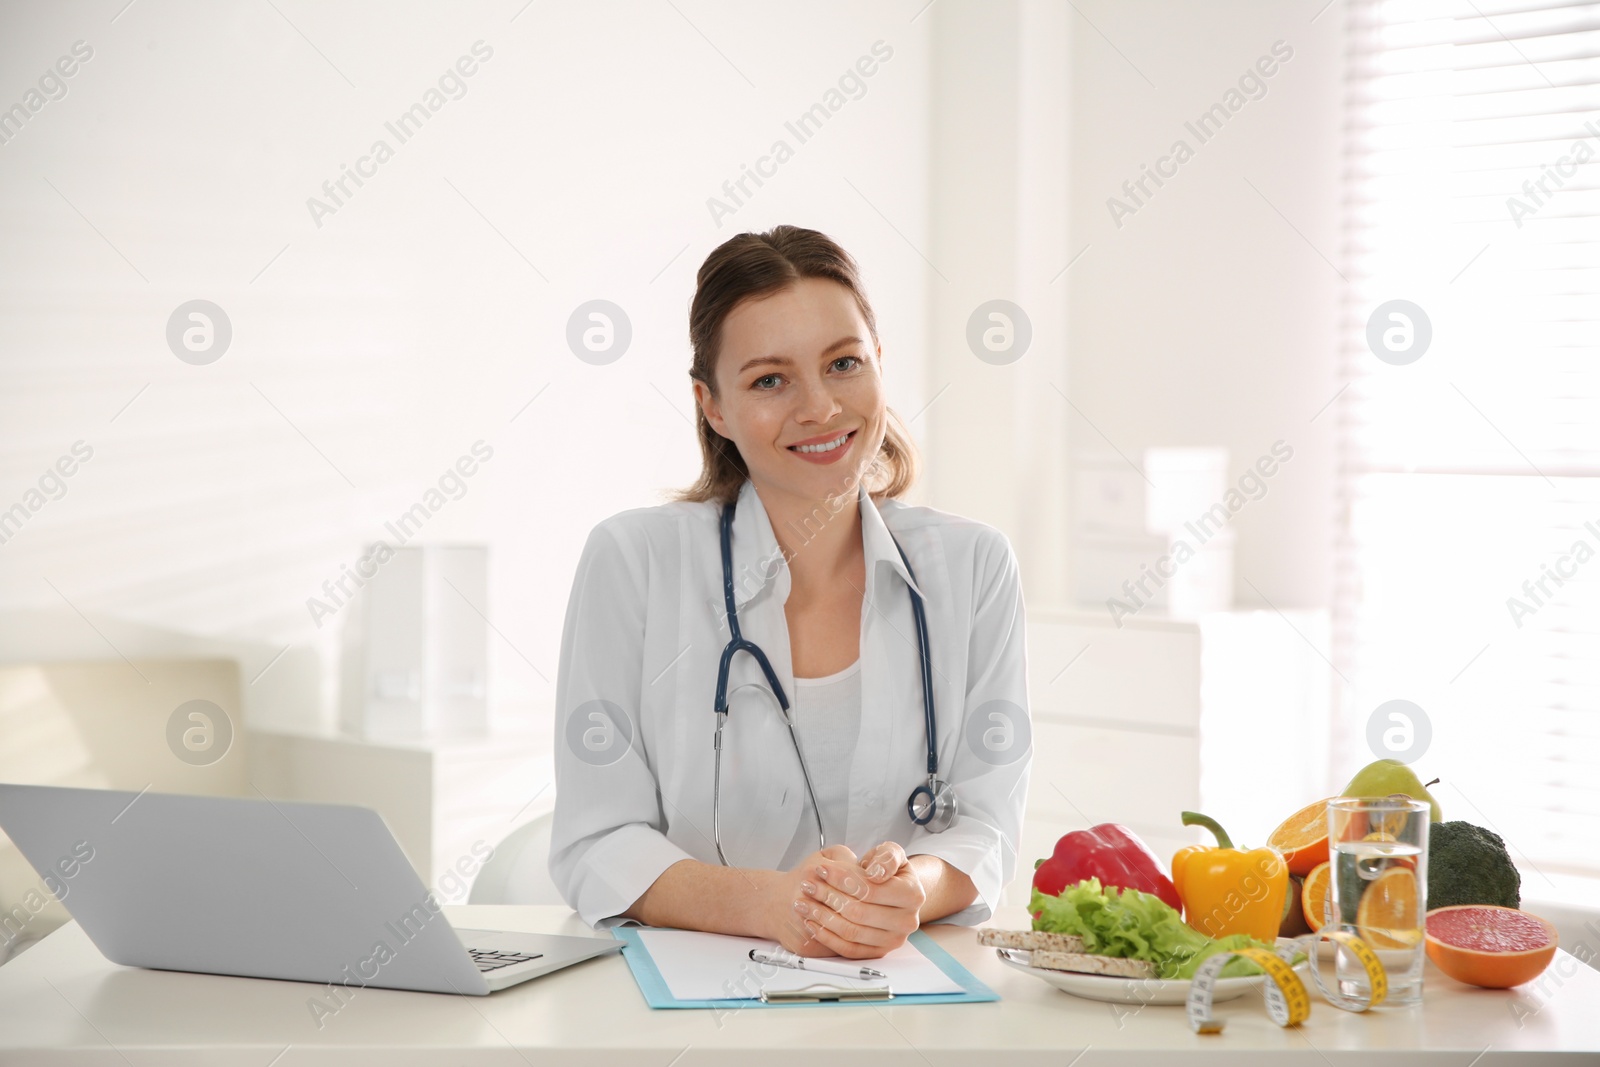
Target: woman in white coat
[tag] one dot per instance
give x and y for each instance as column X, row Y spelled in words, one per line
column 795, row 433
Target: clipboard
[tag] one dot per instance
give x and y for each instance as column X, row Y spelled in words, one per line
column 658, row 995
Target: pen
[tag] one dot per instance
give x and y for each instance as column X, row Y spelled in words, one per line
column 800, row 963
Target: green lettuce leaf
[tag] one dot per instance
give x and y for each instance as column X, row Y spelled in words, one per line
column 1135, row 925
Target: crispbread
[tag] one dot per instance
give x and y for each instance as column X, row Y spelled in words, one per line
column 1083, row 963
column 1030, row 939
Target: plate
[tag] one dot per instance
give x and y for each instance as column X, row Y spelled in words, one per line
column 1129, row 990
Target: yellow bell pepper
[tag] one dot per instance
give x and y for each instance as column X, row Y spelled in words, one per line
column 1226, row 890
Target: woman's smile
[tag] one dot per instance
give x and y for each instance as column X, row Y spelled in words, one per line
column 827, row 450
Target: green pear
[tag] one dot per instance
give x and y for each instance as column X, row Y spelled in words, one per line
column 1386, row 776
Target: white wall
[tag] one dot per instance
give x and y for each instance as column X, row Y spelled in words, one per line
column 1002, row 128
column 372, row 351
column 423, row 316
column 1206, row 318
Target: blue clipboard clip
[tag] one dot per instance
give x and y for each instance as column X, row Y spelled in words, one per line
column 818, row 992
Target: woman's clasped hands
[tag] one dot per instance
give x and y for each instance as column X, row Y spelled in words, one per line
column 833, row 904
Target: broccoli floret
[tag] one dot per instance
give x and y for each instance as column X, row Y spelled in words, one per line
column 1470, row 865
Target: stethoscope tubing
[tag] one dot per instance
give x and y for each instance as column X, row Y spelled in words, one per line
column 941, row 805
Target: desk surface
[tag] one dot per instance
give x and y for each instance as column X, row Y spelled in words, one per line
column 61, row 1002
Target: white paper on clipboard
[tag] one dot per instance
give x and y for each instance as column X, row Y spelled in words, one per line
column 702, row 966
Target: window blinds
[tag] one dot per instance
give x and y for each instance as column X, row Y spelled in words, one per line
column 1468, row 540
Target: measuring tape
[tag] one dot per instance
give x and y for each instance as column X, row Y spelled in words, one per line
column 1377, row 977
column 1288, row 1002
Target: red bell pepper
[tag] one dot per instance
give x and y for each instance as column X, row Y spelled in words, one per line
column 1111, row 853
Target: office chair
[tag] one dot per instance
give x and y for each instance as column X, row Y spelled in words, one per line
column 519, row 871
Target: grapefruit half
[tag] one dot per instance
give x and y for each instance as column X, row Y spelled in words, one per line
column 1490, row 946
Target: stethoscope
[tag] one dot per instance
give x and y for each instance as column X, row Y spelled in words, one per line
column 931, row 805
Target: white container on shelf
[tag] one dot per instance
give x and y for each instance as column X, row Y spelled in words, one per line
column 1204, row 583
column 1108, row 498
column 1102, row 563
column 1184, row 482
column 1135, row 535
column 416, row 648
column 1113, row 499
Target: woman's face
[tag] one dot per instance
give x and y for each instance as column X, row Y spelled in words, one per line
column 797, row 368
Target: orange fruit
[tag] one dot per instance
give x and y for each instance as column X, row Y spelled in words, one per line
column 1314, row 895
column 1303, row 838
column 1490, row 946
column 1390, row 915
column 1394, row 861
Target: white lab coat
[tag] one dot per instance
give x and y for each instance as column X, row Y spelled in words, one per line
column 645, row 629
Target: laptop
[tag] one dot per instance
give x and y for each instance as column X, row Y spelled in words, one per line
column 261, row 889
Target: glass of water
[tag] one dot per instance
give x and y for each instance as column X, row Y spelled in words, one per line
column 1378, row 889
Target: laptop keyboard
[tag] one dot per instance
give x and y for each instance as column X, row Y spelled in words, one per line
column 488, row 959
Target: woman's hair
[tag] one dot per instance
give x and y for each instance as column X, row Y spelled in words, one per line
column 754, row 265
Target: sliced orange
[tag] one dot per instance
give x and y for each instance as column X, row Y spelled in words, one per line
column 1397, row 861
column 1303, row 838
column 1390, row 914
column 1314, row 895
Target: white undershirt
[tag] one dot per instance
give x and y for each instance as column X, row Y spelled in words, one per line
column 827, row 722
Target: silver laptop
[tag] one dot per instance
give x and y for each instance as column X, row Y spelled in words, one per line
column 261, row 889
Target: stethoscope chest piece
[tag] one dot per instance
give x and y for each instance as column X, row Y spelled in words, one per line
column 933, row 806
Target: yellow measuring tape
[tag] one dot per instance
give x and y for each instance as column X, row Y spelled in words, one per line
column 1288, row 1001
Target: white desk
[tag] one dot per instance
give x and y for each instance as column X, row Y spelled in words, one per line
column 62, row 1003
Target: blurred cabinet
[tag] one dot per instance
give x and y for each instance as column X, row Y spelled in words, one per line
column 447, row 803
column 1116, row 721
